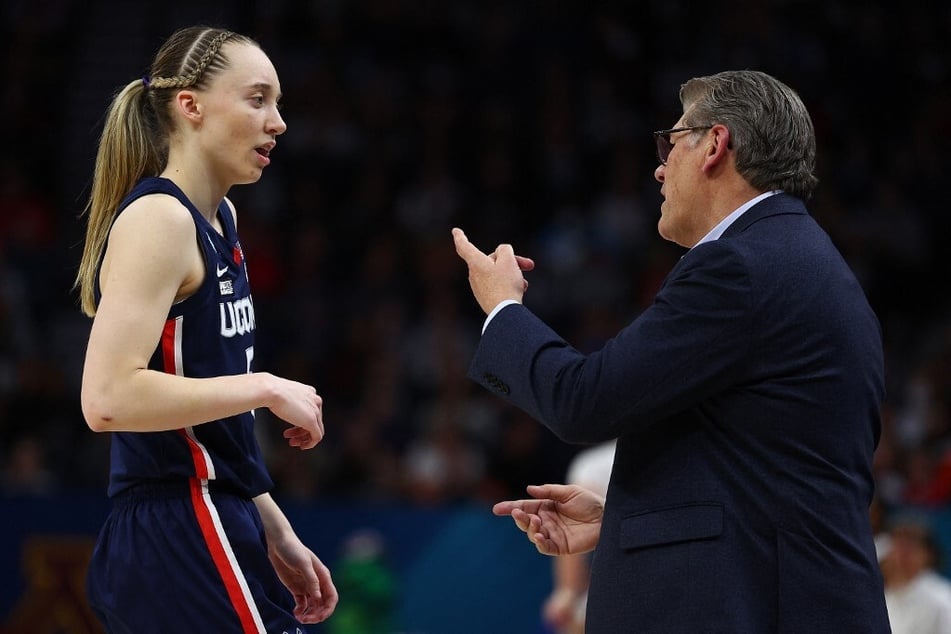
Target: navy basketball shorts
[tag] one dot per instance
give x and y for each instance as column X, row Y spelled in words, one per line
column 181, row 558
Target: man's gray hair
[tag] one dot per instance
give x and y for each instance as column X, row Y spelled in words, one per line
column 771, row 132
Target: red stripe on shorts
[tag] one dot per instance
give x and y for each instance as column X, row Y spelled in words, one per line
column 220, row 558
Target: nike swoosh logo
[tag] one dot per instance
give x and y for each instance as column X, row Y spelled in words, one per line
column 220, row 272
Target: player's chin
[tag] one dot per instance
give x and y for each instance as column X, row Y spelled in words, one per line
column 251, row 176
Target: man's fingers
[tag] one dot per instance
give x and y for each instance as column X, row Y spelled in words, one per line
column 544, row 545
column 507, row 507
column 506, row 254
column 525, row 264
column 539, row 491
column 556, row 492
column 503, row 508
column 522, row 519
column 465, row 249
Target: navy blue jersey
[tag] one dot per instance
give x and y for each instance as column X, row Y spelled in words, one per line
column 184, row 531
column 211, row 333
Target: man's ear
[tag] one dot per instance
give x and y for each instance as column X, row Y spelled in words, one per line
column 719, row 147
column 186, row 101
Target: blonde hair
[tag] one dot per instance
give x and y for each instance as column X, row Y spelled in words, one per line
column 134, row 140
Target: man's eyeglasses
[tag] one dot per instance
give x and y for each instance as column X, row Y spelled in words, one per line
column 664, row 146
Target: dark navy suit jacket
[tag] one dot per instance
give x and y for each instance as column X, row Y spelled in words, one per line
column 746, row 404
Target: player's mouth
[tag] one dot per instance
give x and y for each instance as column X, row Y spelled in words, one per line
column 264, row 152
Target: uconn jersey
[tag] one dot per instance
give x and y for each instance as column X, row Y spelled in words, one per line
column 211, row 333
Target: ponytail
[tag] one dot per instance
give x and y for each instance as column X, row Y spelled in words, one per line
column 127, row 152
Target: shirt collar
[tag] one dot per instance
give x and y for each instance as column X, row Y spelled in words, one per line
column 722, row 226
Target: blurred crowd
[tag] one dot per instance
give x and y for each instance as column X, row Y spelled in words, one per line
column 522, row 122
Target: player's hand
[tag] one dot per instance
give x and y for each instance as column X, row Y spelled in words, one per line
column 307, row 579
column 302, row 438
column 560, row 520
column 301, row 406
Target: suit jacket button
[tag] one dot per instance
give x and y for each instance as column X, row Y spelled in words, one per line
column 497, row 383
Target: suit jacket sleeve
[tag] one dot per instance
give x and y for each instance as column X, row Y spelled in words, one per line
column 690, row 343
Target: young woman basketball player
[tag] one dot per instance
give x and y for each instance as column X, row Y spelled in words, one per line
column 194, row 543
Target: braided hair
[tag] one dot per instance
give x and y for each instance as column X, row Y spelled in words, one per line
column 192, row 71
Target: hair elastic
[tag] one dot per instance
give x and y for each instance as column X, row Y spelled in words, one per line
column 146, row 80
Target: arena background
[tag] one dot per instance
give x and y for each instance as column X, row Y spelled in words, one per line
column 525, row 122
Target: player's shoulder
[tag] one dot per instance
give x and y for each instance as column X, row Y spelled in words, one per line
column 154, row 219
column 156, row 209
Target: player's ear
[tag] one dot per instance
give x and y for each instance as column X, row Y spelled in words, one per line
column 187, row 104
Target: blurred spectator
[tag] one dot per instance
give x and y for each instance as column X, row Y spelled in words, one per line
column 367, row 586
column 444, row 465
column 917, row 597
column 25, row 469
